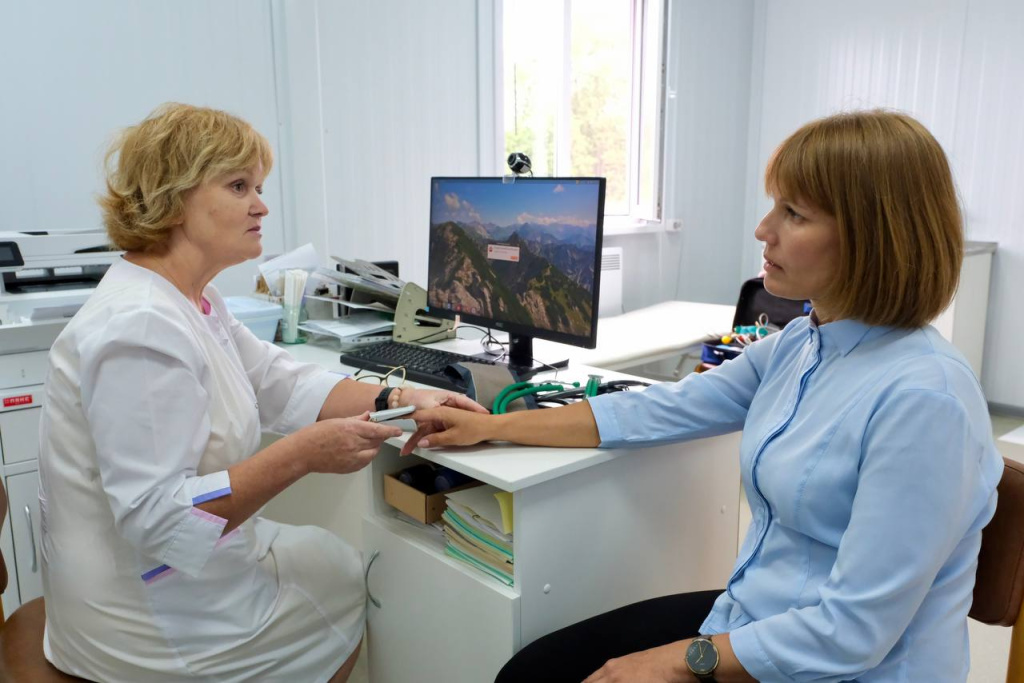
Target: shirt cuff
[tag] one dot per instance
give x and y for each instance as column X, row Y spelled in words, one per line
column 198, row 532
column 747, row 648
column 308, row 400
column 210, row 487
column 607, row 420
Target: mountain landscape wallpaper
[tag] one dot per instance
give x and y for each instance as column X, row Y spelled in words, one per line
column 520, row 252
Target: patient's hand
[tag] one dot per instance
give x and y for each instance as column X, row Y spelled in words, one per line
column 449, row 427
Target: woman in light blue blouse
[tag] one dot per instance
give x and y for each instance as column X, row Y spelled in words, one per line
column 867, row 456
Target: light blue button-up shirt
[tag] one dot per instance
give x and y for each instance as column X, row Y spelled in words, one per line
column 868, row 462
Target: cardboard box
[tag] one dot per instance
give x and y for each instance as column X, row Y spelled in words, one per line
column 423, row 507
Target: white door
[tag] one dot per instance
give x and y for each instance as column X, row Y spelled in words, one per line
column 23, row 491
column 434, row 621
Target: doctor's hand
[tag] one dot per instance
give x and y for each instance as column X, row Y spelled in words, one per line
column 342, row 445
column 449, row 427
column 425, row 399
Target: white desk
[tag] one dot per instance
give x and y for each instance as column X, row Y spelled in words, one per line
column 666, row 330
column 594, row 530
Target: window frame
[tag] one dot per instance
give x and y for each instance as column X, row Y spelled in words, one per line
column 640, row 218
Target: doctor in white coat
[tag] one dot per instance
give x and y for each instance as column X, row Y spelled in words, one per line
column 156, row 566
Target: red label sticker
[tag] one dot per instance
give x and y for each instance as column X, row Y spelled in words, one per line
column 17, row 400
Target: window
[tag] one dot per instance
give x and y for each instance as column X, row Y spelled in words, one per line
column 582, row 95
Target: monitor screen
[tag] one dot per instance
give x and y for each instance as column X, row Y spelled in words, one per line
column 521, row 255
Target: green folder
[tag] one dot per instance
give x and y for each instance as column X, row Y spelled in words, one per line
column 473, row 562
column 466, row 530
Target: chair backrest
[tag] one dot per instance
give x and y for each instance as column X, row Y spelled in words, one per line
column 3, row 567
column 754, row 300
column 999, row 586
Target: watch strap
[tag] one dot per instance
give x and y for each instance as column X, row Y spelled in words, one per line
column 381, row 402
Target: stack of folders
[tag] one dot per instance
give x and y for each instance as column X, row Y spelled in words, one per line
column 478, row 530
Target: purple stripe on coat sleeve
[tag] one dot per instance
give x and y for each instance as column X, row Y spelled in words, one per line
column 212, row 495
column 154, row 574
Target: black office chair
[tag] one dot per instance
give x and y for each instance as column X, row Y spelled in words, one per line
column 755, row 300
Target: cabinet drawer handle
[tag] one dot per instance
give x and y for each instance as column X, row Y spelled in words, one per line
column 32, row 538
column 373, row 558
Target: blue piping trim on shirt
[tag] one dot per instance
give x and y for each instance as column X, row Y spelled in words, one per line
column 757, row 457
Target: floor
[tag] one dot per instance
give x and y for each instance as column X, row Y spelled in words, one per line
column 990, row 645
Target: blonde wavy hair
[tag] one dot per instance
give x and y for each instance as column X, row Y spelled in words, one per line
column 152, row 166
column 887, row 182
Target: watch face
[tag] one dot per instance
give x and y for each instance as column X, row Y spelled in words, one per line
column 702, row 656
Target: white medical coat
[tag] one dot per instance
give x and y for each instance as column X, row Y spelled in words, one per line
column 148, row 402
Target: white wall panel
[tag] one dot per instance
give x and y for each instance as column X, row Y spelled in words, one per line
column 953, row 64
column 709, row 83
column 821, row 57
column 399, row 93
column 988, row 155
column 300, row 111
column 75, row 72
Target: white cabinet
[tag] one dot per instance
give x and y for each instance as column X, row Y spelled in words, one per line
column 963, row 322
column 19, row 537
column 431, row 619
column 21, row 399
column 591, row 530
column 23, row 495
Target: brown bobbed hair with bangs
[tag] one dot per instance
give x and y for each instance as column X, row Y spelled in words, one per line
column 887, row 182
column 174, row 150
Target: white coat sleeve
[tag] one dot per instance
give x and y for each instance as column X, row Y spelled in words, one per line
column 290, row 394
column 147, row 411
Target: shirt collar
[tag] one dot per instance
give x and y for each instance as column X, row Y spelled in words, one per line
column 843, row 335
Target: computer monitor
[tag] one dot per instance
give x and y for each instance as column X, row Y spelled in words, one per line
column 521, row 255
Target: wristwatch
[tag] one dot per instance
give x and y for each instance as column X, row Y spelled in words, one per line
column 381, row 402
column 702, row 658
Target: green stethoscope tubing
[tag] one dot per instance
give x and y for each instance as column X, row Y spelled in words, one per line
column 514, row 391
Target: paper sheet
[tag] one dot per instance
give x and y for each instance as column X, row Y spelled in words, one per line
column 485, row 504
column 303, row 258
column 353, row 326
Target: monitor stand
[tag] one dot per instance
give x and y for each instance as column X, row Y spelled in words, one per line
column 520, row 357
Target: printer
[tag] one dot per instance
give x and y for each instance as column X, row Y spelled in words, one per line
column 46, row 277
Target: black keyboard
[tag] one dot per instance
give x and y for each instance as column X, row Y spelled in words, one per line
column 422, row 364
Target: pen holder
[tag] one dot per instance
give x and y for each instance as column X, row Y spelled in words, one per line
column 290, row 325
